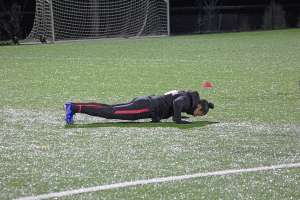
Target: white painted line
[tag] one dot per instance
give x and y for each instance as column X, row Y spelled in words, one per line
column 157, row 180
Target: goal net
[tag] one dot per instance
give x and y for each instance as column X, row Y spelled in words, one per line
column 58, row 20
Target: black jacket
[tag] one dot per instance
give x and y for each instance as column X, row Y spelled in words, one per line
column 172, row 104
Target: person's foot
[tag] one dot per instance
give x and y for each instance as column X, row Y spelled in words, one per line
column 69, row 113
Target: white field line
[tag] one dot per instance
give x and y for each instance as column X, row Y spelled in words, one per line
column 157, row 180
column 107, row 59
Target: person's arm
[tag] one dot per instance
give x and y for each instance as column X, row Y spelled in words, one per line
column 178, row 105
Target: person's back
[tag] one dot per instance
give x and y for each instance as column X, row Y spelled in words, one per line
column 174, row 102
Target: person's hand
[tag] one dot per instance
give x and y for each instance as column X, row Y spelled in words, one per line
column 184, row 117
column 154, row 121
column 182, row 122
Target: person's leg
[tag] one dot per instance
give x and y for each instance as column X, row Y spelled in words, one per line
column 136, row 109
column 76, row 107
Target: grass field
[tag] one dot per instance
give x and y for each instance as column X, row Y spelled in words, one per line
column 255, row 123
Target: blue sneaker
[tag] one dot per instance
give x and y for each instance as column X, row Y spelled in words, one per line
column 69, row 113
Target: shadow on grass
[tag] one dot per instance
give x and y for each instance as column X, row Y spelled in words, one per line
column 142, row 124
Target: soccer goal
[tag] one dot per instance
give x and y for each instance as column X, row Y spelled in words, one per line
column 64, row 20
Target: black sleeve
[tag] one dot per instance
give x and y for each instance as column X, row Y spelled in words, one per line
column 179, row 104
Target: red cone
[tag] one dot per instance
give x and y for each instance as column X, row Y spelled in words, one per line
column 207, row 84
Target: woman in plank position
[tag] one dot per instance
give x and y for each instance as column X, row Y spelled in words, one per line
column 154, row 107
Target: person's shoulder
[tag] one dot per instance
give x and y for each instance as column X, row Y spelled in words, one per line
column 194, row 95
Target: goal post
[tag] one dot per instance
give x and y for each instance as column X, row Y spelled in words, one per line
column 61, row 20
column 52, row 22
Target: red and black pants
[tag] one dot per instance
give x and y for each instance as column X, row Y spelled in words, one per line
column 138, row 108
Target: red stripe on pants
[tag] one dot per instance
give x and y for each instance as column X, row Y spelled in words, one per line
column 122, row 112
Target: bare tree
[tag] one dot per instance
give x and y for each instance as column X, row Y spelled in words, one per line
column 210, row 9
column 11, row 16
column 274, row 17
column 200, row 5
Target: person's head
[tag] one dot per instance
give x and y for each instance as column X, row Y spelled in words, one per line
column 203, row 108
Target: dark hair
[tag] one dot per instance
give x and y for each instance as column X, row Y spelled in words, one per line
column 205, row 106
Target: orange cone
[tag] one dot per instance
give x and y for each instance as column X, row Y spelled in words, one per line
column 207, row 84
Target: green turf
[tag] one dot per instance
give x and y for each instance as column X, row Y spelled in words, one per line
column 256, row 121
